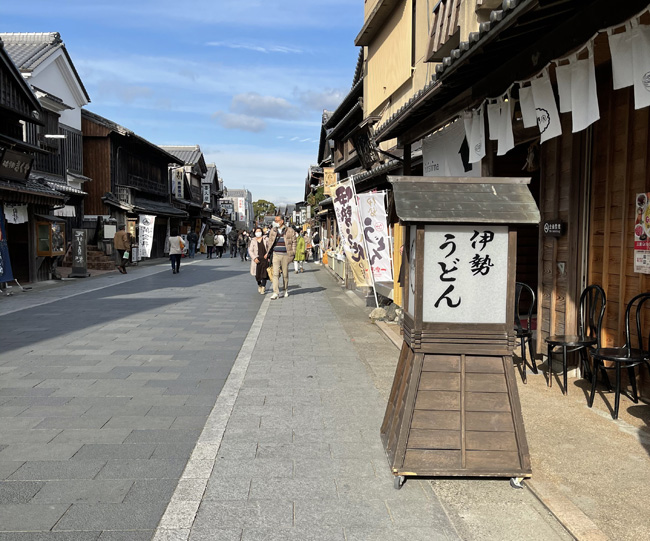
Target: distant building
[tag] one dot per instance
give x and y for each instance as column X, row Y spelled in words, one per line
column 242, row 203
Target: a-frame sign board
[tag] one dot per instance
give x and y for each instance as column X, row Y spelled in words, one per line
column 454, row 408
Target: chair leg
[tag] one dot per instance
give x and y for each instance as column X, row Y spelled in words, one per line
column 606, row 378
column 584, row 364
column 617, row 391
column 564, row 368
column 522, row 342
column 632, row 376
column 594, row 379
column 533, row 365
column 549, row 367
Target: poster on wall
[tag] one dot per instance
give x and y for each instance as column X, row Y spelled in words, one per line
column 146, row 234
column 5, row 264
column 374, row 220
column 240, row 209
column 347, row 216
column 642, row 234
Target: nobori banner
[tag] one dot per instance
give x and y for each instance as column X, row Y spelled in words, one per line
column 347, row 217
column 374, row 222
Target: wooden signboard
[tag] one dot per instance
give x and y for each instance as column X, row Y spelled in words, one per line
column 79, row 254
column 454, row 408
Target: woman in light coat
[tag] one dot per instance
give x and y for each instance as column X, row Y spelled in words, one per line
column 259, row 264
column 299, row 261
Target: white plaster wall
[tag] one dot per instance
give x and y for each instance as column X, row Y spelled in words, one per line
column 50, row 79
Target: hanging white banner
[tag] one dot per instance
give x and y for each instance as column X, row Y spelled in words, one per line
column 446, row 153
column 145, row 234
column 375, row 229
column 548, row 118
column 15, row 213
column 347, row 217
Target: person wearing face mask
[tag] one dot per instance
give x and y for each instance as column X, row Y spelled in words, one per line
column 257, row 250
column 282, row 245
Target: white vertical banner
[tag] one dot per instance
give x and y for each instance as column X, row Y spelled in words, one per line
column 374, row 221
column 446, row 153
column 240, row 209
column 347, row 217
column 145, row 234
column 548, row 118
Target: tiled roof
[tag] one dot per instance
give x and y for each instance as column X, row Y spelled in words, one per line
column 352, row 97
column 211, row 174
column 358, row 71
column 32, row 186
column 65, row 188
column 191, row 155
column 29, row 50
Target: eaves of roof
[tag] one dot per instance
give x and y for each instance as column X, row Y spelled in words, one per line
column 190, row 155
column 345, row 121
column 515, row 44
column 375, row 21
column 14, row 72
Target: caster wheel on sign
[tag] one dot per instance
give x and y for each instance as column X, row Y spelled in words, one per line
column 398, row 481
column 515, row 482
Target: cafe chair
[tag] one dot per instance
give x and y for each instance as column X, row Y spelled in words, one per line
column 592, row 308
column 524, row 293
column 633, row 353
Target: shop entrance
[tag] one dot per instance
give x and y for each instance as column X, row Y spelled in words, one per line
column 513, row 164
column 18, row 244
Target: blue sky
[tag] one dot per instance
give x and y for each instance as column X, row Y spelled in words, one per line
column 246, row 80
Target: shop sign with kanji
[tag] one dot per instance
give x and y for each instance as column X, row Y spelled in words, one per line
column 15, row 165
column 465, row 274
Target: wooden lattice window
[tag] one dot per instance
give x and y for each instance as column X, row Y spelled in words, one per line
column 445, row 31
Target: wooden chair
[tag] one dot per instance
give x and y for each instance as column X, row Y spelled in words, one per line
column 592, row 303
column 627, row 356
column 523, row 293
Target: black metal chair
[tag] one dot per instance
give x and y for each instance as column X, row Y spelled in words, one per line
column 592, row 303
column 627, row 356
column 523, row 293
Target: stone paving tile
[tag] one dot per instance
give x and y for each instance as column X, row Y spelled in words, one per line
column 105, row 516
column 151, row 490
column 235, row 514
column 321, row 532
column 18, row 491
column 132, row 535
column 82, row 491
column 50, row 536
column 53, row 470
column 32, row 517
column 142, row 469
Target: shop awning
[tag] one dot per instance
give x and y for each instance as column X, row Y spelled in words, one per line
column 157, row 208
column 49, row 218
column 464, row 200
column 68, row 211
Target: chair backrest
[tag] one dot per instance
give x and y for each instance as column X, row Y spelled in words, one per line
column 592, row 310
column 635, row 310
column 523, row 293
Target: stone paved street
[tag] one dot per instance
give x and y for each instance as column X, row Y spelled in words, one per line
column 109, row 428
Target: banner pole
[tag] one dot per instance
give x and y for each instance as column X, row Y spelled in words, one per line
column 365, row 243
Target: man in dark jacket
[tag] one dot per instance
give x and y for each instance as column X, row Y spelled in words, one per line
column 192, row 239
column 232, row 240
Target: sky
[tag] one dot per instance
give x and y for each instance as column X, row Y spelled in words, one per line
column 247, row 80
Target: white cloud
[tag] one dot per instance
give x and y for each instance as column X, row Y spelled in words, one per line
column 232, row 121
column 325, row 99
column 256, row 48
column 254, row 104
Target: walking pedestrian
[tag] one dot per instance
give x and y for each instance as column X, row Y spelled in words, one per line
column 232, row 240
column 122, row 245
column 257, row 251
column 219, row 241
column 209, row 243
column 299, row 261
column 192, row 239
column 282, row 245
column 242, row 245
column 315, row 243
column 176, row 247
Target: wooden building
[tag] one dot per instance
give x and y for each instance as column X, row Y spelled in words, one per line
column 28, row 242
column 587, row 181
column 130, row 178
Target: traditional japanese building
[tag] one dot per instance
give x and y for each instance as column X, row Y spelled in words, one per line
column 586, row 155
column 46, row 65
column 31, row 238
column 130, row 179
